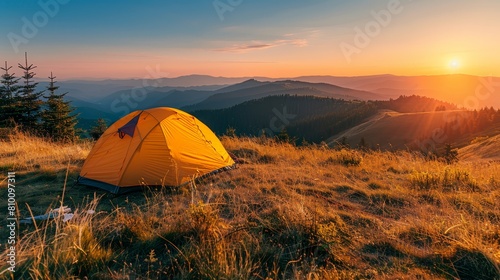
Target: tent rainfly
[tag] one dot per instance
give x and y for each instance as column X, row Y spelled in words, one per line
column 154, row 147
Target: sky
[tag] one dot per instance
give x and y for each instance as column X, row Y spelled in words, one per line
column 242, row 38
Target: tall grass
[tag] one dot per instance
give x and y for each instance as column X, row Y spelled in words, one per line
column 54, row 249
column 23, row 152
column 449, row 179
column 286, row 213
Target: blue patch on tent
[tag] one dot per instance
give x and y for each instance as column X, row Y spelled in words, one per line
column 129, row 127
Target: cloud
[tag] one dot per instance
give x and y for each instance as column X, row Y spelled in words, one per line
column 259, row 45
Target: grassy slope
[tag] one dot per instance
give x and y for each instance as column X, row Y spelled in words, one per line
column 382, row 128
column 482, row 148
column 310, row 213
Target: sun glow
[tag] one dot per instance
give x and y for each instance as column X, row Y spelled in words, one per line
column 454, row 64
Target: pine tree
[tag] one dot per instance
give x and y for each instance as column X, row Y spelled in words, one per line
column 97, row 130
column 362, row 144
column 230, row 132
column 57, row 121
column 30, row 102
column 450, row 154
column 283, row 137
column 9, row 98
column 343, row 143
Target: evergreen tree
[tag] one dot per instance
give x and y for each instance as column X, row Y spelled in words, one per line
column 440, row 108
column 283, row 136
column 97, row 130
column 57, row 121
column 230, row 132
column 362, row 144
column 9, row 107
column 450, row 154
column 343, row 143
column 263, row 134
column 30, row 102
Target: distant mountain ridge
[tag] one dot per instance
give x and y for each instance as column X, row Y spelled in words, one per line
column 244, row 93
column 111, row 99
column 123, row 101
column 463, row 90
column 456, row 88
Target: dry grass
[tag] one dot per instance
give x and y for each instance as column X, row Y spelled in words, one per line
column 287, row 213
column 22, row 152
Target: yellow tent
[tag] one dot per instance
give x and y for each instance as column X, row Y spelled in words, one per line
column 153, row 147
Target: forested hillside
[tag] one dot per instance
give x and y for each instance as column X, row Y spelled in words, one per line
column 415, row 103
column 299, row 114
column 309, row 118
column 252, row 89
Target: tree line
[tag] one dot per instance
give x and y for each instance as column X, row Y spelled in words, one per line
column 471, row 123
column 42, row 113
column 310, row 119
column 303, row 118
column 315, row 119
column 414, row 104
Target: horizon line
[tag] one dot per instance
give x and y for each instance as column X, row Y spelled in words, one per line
column 266, row 77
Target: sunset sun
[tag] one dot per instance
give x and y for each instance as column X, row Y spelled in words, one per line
column 454, row 64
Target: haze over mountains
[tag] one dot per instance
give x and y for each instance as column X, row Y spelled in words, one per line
column 253, row 89
column 224, row 102
column 208, row 92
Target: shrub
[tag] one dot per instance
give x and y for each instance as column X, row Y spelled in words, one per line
column 345, row 158
column 450, row 179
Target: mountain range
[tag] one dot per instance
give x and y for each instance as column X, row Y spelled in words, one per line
column 224, row 102
column 463, row 90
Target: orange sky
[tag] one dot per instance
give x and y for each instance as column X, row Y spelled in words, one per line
column 278, row 39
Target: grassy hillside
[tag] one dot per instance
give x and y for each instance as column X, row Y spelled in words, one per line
column 482, row 148
column 287, row 213
column 410, row 127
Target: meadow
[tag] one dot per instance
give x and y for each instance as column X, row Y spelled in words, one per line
column 285, row 212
